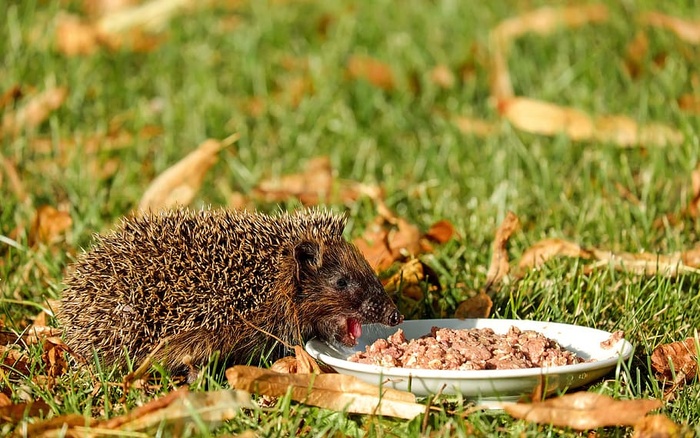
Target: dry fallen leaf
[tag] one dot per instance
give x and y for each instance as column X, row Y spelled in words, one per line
column 500, row 266
column 34, row 112
column 442, row 76
column 49, row 225
column 539, row 253
column 637, row 50
column 679, row 357
column 371, row 70
column 539, row 117
column 212, row 408
column 179, row 184
column 311, row 187
column 301, row 363
column 338, row 392
column 478, row 306
column 470, row 125
column 686, row 30
column 12, row 95
column 583, row 410
column 406, row 288
column 14, row 413
column 658, row 426
column 53, row 358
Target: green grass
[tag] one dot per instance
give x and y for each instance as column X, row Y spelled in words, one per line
column 198, row 83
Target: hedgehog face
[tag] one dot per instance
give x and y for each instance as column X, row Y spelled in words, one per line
column 338, row 292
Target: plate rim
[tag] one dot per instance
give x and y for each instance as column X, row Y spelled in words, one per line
column 620, row 352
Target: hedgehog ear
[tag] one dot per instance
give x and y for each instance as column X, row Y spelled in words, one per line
column 308, row 255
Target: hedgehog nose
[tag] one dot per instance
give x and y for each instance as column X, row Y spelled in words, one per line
column 395, row 318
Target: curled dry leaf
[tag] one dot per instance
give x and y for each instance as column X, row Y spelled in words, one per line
column 34, row 112
column 539, row 117
column 53, row 358
column 311, row 187
column 371, row 70
column 500, row 266
column 539, row 253
column 686, row 30
column 478, row 127
column 406, row 288
column 179, row 184
column 583, row 410
column 679, row 357
column 49, row 225
column 302, row 363
column 478, row 306
column 338, row 392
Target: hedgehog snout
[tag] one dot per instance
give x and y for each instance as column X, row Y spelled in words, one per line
column 382, row 311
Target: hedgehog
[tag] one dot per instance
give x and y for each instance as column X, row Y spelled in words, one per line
column 183, row 285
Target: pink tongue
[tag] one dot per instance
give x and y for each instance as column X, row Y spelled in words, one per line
column 354, row 328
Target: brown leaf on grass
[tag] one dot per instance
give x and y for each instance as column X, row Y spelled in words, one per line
column 686, row 30
column 542, row 21
column 49, row 226
column 16, row 412
column 385, row 242
column 478, row 127
column 637, row 50
column 500, row 265
column 442, row 76
column 583, row 410
column 689, row 103
column 478, row 306
column 679, row 357
column 539, row 117
column 407, row 285
column 301, row 363
column 34, row 112
column 668, row 265
column 9, row 97
column 117, row 27
column 441, row 231
column 338, row 392
column 76, row 37
column 311, row 187
column 539, row 253
column 176, row 411
column 53, row 358
column 371, row 70
column 14, row 360
column 173, row 412
column 658, row 426
column 179, row 184
column 99, row 8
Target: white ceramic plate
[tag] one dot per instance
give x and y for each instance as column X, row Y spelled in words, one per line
column 485, row 385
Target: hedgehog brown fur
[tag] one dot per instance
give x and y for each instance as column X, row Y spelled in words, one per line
column 219, row 281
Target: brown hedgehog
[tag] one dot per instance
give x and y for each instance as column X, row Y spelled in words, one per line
column 219, row 281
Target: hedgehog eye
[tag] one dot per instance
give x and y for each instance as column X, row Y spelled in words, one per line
column 341, row 283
